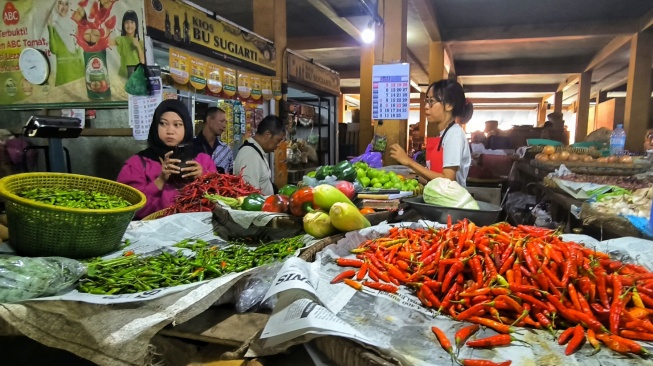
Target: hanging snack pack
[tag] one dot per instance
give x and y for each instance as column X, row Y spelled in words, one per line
column 214, row 81
column 379, row 143
column 229, row 82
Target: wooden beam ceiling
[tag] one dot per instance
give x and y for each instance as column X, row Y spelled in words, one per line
column 350, row 74
column 325, row 8
column 566, row 65
column 424, row 8
column 351, row 90
column 547, row 30
column 608, row 50
column 317, row 43
column 568, row 82
column 511, row 88
column 505, row 101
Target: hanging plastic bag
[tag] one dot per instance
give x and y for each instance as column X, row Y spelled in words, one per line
column 371, row 158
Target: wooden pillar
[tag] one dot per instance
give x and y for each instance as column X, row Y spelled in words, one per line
column 436, row 73
column 422, row 117
column 638, row 91
column 557, row 102
column 541, row 112
column 436, row 62
column 341, row 108
column 366, row 130
column 270, row 22
column 582, row 115
column 390, row 48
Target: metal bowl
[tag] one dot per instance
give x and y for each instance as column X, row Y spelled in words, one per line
column 487, row 214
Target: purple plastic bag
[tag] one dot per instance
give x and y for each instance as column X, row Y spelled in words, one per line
column 372, row 158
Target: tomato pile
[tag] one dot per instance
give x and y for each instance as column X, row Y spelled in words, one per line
column 501, row 276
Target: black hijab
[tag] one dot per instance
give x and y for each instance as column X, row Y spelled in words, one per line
column 156, row 147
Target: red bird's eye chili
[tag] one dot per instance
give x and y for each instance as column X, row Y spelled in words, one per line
column 347, row 262
column 591, row 337
column 566, row 336
column 381, row 286
column 444, row 341
column 493, row 341
column 463, row 334
column 353, row 284
column 471, row 362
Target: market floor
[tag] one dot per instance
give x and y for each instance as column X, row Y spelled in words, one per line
column 22, row 351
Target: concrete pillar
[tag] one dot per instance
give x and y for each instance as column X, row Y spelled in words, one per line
column 582, row 116
column 638, row 91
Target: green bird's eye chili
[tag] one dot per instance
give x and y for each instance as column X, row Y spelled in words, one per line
column 136, row 273
column 75, row 198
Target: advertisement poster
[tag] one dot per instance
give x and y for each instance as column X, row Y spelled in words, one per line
column 183, row 26
column 88, row 45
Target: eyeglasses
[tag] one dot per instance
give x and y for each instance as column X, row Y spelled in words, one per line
column 430, row 101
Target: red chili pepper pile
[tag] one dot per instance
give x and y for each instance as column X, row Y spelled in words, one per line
column 502, row 276
column 191, row 196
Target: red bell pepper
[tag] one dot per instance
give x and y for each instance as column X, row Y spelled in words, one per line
column 276, row 203
column 301, row 202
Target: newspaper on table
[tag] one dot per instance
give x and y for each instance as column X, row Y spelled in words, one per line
column 397, row 325
column 119, row 335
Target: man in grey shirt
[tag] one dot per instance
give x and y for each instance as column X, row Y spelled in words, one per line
column 252, row 156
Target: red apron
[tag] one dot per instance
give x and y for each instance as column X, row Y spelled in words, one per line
column 434, row 155
column 434, row 152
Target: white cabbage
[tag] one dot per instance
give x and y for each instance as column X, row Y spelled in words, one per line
column 448, row 193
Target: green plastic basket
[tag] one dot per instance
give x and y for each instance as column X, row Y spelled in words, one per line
column 38, row 229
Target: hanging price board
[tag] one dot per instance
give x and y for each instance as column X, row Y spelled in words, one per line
column 390, row 91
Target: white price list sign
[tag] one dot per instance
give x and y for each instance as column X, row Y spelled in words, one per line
column 390, row 91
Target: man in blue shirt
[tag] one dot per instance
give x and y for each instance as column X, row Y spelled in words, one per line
column 208, row 141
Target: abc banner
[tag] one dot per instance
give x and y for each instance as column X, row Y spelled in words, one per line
column 89, row 45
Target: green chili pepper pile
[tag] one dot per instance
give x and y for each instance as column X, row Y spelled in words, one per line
column 75, row 198
column 133, row 273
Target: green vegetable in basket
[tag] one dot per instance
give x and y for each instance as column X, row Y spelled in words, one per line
column 75, row 198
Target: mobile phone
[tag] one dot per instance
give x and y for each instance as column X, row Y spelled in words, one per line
column 183, row 152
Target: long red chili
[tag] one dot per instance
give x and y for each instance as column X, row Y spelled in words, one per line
column 381, row 286
column 577, row 340
column 442, row 338
column 346, row 274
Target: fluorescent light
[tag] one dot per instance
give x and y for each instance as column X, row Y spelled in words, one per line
column 368, row 35
column 414, row 84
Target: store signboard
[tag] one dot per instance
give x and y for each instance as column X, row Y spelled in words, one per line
column 87, row 47
column 390, row 91
column 183, row 26
column 314, row 76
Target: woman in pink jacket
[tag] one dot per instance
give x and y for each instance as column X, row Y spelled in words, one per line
column 153, row 171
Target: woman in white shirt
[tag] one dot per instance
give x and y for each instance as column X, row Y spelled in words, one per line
column 447, row 155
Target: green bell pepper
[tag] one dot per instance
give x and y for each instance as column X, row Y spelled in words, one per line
column 345, row 171
column 253, row 202
column 288, row 190
column 324, row 171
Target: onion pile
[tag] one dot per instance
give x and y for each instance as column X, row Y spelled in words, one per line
column 550, row 153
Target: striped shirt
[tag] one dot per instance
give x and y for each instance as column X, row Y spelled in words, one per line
column 223, row 157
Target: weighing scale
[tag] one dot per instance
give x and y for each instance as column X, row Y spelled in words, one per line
column 54, row 129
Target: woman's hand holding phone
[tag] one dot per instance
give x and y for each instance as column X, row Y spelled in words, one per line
column 169, row 166
column 193, row 170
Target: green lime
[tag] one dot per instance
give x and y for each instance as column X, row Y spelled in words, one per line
column 395, row 179
column 392, row 174
column 360, row 173
column 396, row 185
column 372, row 173
column 365, row 181
column 375, row 181
column 387, row 184
column 384, row 179
column 377, row 185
